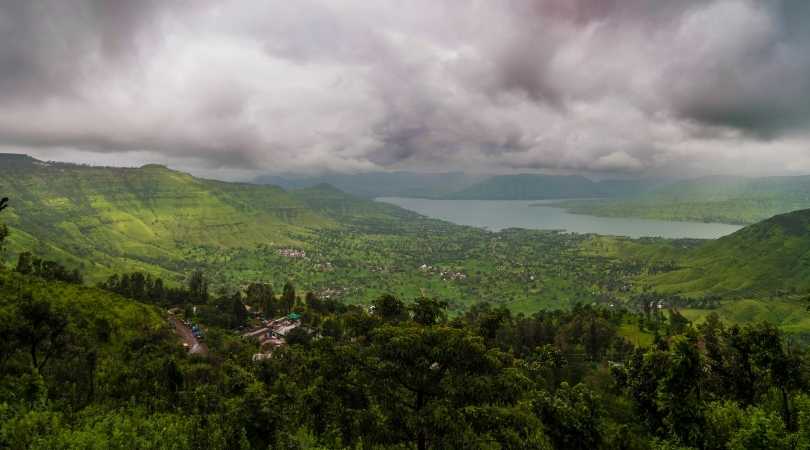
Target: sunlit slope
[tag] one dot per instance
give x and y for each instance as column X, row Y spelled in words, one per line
column 98, row 309
column 767, row 258
column 141, row 217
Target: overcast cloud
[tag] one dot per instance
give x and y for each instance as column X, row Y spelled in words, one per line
column 591, row 86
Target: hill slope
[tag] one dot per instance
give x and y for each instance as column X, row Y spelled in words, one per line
column 152, row 218
column 728, row 199
column 331, row 202
column 380, row 184
column 763, row 259
column 541, row 187
column 529, row 187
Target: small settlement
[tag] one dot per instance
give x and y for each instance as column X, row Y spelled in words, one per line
column 272, row 334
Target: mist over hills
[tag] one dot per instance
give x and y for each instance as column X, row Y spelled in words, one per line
column 463, row 186
column 727, row 199
column 542, row 187
column 381, row 184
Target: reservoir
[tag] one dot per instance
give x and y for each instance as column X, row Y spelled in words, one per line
column 496, row 215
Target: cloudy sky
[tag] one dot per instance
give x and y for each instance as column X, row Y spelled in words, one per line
column 606, row 87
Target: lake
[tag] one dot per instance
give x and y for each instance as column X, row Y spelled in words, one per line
column 499, row 214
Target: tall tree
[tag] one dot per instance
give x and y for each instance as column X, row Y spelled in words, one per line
column 41, row 330
column 288, row 297
column 198, row 287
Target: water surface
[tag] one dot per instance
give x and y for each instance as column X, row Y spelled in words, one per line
column 540, row 215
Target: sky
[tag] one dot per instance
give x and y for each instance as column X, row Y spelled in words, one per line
column 620, row 88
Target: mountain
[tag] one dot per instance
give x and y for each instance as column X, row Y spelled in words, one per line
column 331, row 202
column 728, row 199
column 105, row 219
column 540, row 187
column 763, row 259
column 529, row 187
column 380, row 184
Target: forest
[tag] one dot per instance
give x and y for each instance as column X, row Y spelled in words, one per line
column 99, row 367
column 399, row 332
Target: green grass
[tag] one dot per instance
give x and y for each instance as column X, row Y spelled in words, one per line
column 633, row 334
column 790, row 315
column 770, row 257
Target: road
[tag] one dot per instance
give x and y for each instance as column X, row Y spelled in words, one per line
column 194, row 345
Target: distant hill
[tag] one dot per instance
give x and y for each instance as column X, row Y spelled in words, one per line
column 540, row 187
column 766, row 258
column 728, row 199
column 331, row 202
column 107, row 219
column 380, row 184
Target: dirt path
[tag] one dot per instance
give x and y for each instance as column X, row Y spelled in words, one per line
column 194, row 345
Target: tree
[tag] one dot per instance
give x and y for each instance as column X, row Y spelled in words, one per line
column 198, row 287
column 298, row 336
column 288, row 297
column 390, row 309
column 428, row 311
column 427, row 379
column 680, row 391
column 572, row 417
column 24, row 263
column 261, row 297
column 41, row 330
column 775, row 365
column 238, row 312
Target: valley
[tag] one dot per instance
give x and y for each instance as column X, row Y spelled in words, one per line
column 104, row 221
column 150, row 287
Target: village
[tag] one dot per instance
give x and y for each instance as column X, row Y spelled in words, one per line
column 272, row 334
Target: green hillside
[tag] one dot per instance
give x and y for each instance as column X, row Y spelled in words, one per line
column 146, row 218
column 727, row 199
column 768, row 258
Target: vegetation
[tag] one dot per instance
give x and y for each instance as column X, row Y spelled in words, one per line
column 769, row 258
column 380, row 184
column 86, row 368
column 734, row 200
column 166, row 225
column 408, row 333
column 538, row 187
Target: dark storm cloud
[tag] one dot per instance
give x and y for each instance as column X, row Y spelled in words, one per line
column 755, row 78
column 48, row 45
column 560, row 85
